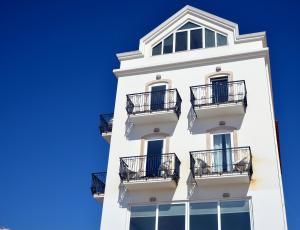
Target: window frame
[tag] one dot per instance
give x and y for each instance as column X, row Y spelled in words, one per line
column 188, row 39
column 187, row 210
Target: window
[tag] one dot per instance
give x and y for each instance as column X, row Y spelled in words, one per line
column 171, row 217
column 235, row 215
column 221, row 40
column 209, row 38
column 218, row 215
column 156, row 49
column 181, row 41
column 142, row 218
column 196, row 39
column 168, row 44
column 204, row 215
column 188, row 37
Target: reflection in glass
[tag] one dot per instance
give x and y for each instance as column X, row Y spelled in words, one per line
column 171, row 217
column 204, row 216
column 209, row 38
column 188, row 25
column 156, row 49
column 221, row 40
column 196, row 39
column 235, row 215
column 142, row 218
column 168, row 44
column 181, row 41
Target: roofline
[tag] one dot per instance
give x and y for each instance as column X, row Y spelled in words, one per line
column 188, row 10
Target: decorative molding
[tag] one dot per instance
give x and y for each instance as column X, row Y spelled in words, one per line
column 129, row 55
column 229, row 74
column 193, row 63
column 150, row 83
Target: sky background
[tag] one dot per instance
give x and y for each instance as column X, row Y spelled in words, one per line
column 56, row 61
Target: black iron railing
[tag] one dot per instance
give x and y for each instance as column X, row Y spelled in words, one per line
column 106, row 122
column 215, row 94
column 161, row 166
column 148, row 102
column 98, row 183
column 221, row 161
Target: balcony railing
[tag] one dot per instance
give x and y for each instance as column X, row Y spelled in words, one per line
column 98, row 183
column 221, row 162
column 106, row 122
column 155, row 101
column 215, row 94
column 161, row 166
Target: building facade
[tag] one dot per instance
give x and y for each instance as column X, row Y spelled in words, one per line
column 193, row 141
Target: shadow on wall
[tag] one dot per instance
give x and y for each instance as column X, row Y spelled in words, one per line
column 136, row 132
column 150, row 195
column 197, row 126
column 198, row 191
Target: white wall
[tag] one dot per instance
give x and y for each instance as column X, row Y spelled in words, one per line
column 256, row 130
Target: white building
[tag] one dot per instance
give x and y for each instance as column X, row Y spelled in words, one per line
column 193, row 144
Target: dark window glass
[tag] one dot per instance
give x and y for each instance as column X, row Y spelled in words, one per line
column 209, row 38
column 221, row 40
column 142, row 218
column 181, row 41
column 196, row 39
column 156, row 50
column 171, row 217
column 204, row 216
column 188, row 25
column 235, row 215
column 168, row 44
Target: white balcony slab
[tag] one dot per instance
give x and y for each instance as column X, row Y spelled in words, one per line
column 99, row 197
column 107, row 137
column 217, row 179
column 159, row 183
column 217, row 110
column 153, row 117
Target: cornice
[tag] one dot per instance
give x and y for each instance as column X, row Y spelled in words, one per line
column 264, row 52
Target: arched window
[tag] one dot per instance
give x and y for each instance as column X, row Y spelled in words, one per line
column 188, row 37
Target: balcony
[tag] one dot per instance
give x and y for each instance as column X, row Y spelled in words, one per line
column 222, row 166
column 154, row 107
column 98, row 185
column 106, row 124
column 213, row 100
column 150, row 172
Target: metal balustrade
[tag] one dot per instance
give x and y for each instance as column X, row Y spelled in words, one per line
column 98, row 183
column 106, row 123
column 161, row 166
column 221, row 162
column 215, row 94
column 155, row 101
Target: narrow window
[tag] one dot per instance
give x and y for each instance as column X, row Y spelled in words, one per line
column 181, row 41
column 204, row 215
column 171, row 217
column 196, row 39
column 235, row 215
column 221, row 40
column 209, row 38
column 168, row 44
column 142, row 218
column 156, row 50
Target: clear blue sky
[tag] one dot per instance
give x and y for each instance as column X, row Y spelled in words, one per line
column 56, row 61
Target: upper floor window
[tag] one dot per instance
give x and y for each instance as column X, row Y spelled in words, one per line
column 188, row 37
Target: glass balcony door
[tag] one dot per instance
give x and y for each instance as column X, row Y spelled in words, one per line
column 219, row 90
column 158, row 94
column 154, row 157
column 222, row 153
